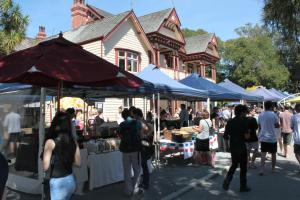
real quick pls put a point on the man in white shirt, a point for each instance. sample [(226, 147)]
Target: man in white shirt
[(12, 122), (296, 129), (226, 114), (119, 115), (268, 122)]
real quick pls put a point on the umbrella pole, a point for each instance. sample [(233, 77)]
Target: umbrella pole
[(59, 88), (41, 134)]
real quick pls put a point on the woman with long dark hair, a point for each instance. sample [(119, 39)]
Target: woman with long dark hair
[(60, 153)]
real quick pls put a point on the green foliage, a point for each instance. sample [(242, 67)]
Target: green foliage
[(252, 59), (12, 26), (190, 32), (283, 18)]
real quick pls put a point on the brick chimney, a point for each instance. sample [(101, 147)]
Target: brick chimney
[(79, 13), (42, 33)]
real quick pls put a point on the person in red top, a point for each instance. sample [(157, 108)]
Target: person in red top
[(286, 131)]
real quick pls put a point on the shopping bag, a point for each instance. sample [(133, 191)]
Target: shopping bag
[(213, 142)]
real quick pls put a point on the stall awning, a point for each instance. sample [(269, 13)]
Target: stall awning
[(278, 92), (268, 96), (169, 87), (238, 89), (215, 91)]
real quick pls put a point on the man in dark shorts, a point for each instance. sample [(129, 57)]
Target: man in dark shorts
[(268, 122), (3, 174), (296, 129), (286, 131), (12, 122), (252, 142), (237, 131)]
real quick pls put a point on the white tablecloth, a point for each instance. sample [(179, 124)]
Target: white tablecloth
[(81, 173), (105, 168)]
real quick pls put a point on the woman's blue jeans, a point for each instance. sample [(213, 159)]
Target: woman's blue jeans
[(62, 188)]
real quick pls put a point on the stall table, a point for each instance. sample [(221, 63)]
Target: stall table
[(81, 173), (105, 168)]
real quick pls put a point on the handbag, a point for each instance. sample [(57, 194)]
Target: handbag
[(211, 129), (213, 138), (46, 181)]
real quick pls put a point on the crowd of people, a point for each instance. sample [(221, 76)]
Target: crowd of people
[(266, 130), (243, 131)]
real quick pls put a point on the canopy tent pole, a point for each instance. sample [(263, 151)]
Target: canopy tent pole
[(41, 135), (144, 107), (154, 127), (84, 116), (208, 104), (158, 128)]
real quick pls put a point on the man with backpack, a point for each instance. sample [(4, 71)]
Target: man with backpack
[(130, 147)]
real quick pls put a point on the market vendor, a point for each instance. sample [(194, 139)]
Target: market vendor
[(184, 116), (162, 122)]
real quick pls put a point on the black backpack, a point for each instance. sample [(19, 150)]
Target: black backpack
[(130, 136)]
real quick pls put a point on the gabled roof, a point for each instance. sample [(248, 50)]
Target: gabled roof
[(198, 43), (153, 21), (26, 43), (95, 29), (100, 11)]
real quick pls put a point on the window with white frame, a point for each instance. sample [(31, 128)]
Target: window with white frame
[(132, 62), (128, 60), (127, 102)]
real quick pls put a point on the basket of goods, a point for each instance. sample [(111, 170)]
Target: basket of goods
[(92, 147), (189, 129), (114, 143), (109, 129), (181, 136), (168, 135)]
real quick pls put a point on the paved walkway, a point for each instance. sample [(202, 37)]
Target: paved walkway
[(284, 184), (178, 173)]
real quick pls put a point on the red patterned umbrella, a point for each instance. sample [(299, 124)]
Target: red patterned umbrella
[(58, 60)]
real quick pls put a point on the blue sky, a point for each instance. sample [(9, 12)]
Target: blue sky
[(218, 16)]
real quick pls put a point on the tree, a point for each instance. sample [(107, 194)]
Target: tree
[(12, 26), (283, 17), (252, 59), (190, 32)]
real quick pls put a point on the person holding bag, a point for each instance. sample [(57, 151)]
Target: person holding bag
[(147, 148), (60, 153), (202, 153)]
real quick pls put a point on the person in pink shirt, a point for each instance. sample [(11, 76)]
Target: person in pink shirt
[(286, 131)]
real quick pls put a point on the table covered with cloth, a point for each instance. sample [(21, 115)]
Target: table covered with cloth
[(107, 168)]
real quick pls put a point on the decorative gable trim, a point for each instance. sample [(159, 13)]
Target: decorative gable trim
[(94, 12), (173, 17), (140, 30)]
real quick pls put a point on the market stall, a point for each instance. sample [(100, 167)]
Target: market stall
[(56, 64), (238, 89)]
